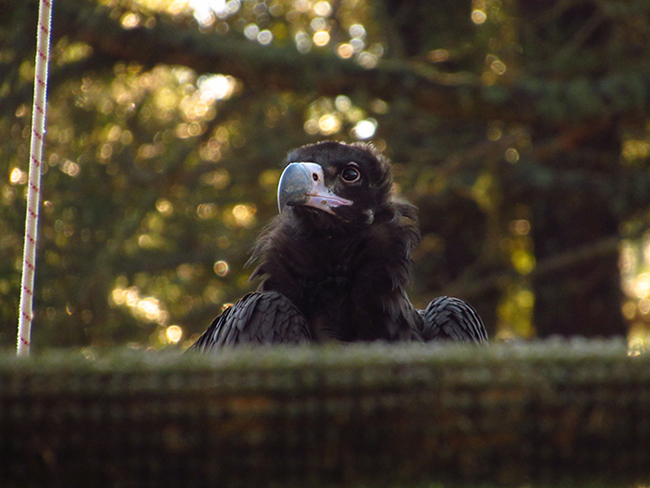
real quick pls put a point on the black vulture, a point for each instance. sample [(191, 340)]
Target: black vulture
[(334, 264)]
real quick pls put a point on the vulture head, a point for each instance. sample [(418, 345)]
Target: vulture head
[(335, 262), (334, 187)]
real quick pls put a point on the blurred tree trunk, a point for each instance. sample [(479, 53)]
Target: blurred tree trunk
[(457, 249), (583, 298)]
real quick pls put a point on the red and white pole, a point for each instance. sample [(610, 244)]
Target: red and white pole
[(39, 110)]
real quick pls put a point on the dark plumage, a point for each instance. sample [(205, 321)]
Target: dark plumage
[(335, 262)]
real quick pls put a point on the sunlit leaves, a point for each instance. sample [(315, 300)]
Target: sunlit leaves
[(160, 179), (206, 12), (145, 308), (162, 176), (515, 313), (64, 52), (218, 179), (635, 151), (207, 211), (634, 262), (329, 116), (308, 24), (118, 137)]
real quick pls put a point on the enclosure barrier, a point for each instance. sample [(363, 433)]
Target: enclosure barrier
[(542, 414)]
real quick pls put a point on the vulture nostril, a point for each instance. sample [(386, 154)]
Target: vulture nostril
[(315, 176)]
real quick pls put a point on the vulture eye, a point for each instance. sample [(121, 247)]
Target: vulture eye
[(351, 173)]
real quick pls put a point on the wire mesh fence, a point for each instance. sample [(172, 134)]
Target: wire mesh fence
[(547, 413)]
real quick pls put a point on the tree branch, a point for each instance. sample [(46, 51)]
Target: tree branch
[(561, 261)]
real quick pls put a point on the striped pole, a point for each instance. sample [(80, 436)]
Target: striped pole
[(39, 109)]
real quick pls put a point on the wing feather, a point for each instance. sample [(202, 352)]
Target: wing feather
[(452, 319), (258, 318)]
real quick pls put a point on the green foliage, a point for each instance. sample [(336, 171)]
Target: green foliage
[(168, 124)]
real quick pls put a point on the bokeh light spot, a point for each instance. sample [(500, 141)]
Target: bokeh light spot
[(265, 37), (130, 20), (512, 155), (164, 206), (323, 9), (329, 124), (345, 51), (321, 38), (221, 268), (478, 17), (365, 129), (17, 177)]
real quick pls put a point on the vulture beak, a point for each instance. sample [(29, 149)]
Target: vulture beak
[(303, 184)]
